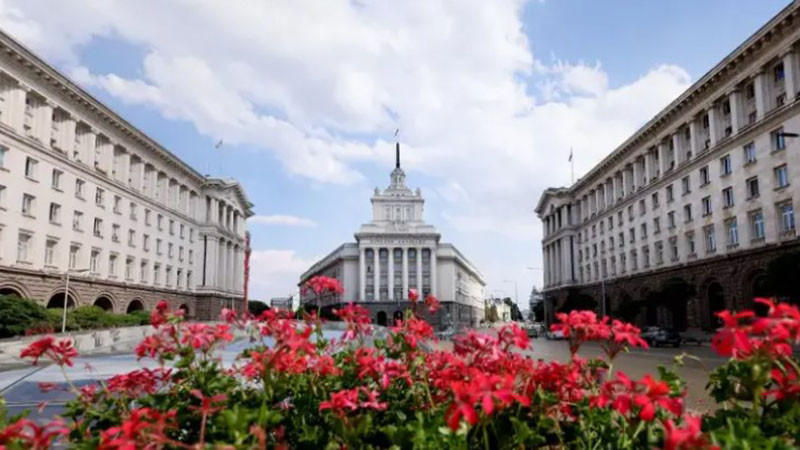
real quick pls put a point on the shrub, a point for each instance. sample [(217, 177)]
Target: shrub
[(19, 315), (91, 317), (55, 317)]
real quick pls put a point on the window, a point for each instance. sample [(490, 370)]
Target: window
[(30, 167), (117, 204), (112, 265), (690, 248), (77, 221), (23, 247), (727, 197), (50, 252), (778, 140), (630, 212), (787, 217), (168, 277), (656, 225), (705, 206), (132, 209), (98, 197), (160, 222), (156, 272), (3, 151), (94, 261), (654, 199), (752, 187), (73, 256), (725, 167), (143, 271), (146, 242), (147, 215), (671, 219), (56, 181), (98, 227), (704, 178), (79, 188), (687, 213), (132, 238), (189, 279), (128, 268), (171, 227), (670, 195), (621, 239), (191, 233), (781, 177), (27, 204), (183, 231), (158, 246), (733, 233), (632, 234), (644, 231), (55, 213), (646, 256), (659, 252), (191, 252), (2, 197), (169, 250), (778, 72), (115, 232), (757, 225), (685, 185), (642, 207), (749, 153), (673, 249), (180, 253), (711, 241)]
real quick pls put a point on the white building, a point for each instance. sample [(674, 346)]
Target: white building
[(83, 190), (680, 220), (397, 251)]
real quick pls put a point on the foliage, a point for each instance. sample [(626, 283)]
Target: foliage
[(256, 307), (295, 388), (19, 315)]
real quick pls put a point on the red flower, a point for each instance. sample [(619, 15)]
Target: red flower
[(208, 405), (341, 402), (412, 331), (688, 437), (513, 334), (413, 295), (60, 352), (622, 335), (462, 406), (320, 284), (357, 319), (138, 430), (432, 303), (657, 393), (581, 326), (32, 435)]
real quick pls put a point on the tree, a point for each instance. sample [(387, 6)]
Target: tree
[(257, 307), (537, 313), (516, 314)]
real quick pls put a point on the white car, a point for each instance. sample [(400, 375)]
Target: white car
[(556, 335)]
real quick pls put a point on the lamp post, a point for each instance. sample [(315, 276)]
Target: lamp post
[(66, 297)]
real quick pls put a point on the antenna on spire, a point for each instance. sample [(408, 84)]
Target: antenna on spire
[(397, 150)]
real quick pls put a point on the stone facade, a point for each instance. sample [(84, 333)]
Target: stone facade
[(397, 251), (709, 181), (81, 190)]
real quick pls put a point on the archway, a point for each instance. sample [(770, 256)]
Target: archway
[(135, 305), (185, 308), (105, 303), (57, 301), (756, 285), (381, 319), (10, 292), (715, 298), (398, 315)]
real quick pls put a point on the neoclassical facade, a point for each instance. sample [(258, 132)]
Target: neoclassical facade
[(694, 203), (82, 190), (397, 251)]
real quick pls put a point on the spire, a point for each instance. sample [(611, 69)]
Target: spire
[(397, 156)]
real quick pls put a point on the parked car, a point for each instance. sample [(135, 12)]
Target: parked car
[(555, 335), (658, 336), (535, 330)]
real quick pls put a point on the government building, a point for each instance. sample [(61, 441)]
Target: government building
[(83, 191), (682, 219), (395, 252)]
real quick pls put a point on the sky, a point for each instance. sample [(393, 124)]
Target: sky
[(489, 97)]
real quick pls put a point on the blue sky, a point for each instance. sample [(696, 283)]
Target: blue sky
[(489, 96)]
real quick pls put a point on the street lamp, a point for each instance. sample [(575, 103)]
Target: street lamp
[(66, 297)]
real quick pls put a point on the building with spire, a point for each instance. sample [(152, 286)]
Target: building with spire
[(397, 251)]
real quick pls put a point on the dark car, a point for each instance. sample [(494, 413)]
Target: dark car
[(657, 336)]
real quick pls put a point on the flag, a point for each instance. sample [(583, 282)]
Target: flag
[(218, 144), (570, 155)]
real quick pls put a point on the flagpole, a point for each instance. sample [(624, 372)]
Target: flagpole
[(571, 166)]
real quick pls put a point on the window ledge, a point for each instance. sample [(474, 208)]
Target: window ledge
[(754, 197), (725, 175), (58, 224), (780, 188), (705, 184), (57, 189), (29, 216), (749, 163), (733, 246), (708, 214), (31, 179)]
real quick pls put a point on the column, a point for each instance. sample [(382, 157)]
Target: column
[(390, 274), (434, 289), (624, 174), (634, 177), (676, 144), (760, 88), (790, 72), (376, 267), (44, 120), (646, 168), (663, 151), (419, 270), (735, 101), (546, 265), (231, 266), (16, 107), (405, 273), (713, 126), (210, 260), (362, 274)]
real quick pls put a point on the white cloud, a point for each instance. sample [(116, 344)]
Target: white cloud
[(300, 79), (275, 272), (282, 220)]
